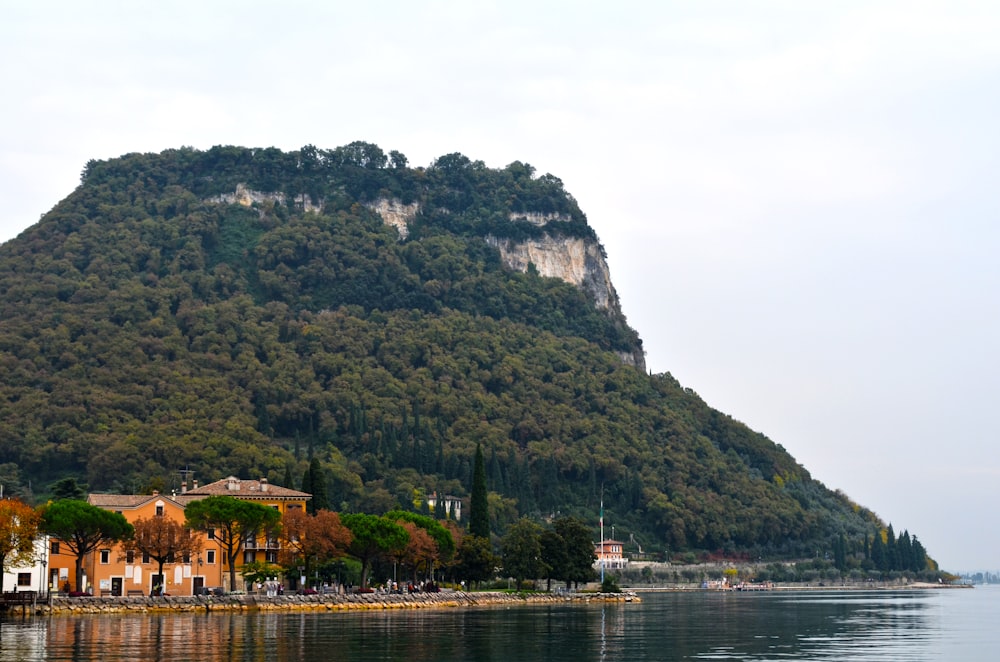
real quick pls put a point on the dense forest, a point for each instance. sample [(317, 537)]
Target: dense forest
[(149, 326)]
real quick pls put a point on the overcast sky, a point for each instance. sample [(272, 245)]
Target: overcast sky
[(799, 200)]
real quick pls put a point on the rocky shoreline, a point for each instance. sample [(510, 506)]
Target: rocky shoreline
[(251, 603)]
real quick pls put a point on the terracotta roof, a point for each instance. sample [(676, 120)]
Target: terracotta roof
[(244, 489), (108, 501)]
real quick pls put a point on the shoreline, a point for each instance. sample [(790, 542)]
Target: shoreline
[(911, 586), (64, 606)]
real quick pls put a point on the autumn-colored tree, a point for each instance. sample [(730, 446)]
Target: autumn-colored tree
[(83, 528), (420, 553), (163, 540), (232, 521), (441, 538), (308, 539), (18, 532)]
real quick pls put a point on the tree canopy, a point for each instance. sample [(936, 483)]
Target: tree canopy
[(83, 528), (231, 521), (18, 531), (371, 537)]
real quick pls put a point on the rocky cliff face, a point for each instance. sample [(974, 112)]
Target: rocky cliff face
[(575, 261), (248, 197), (396, 214)]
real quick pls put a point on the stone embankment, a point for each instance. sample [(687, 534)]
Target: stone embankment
[(368, 601)]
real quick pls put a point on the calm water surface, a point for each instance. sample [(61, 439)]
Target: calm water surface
[(904, 625)]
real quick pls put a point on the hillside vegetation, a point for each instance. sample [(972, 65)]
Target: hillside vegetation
[(149, 327)]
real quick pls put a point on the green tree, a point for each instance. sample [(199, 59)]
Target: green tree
[(522, 551), (231, 521), (840, 552), (553, 550), (476, 560), (67, 488), (314, 482), (880, 558), (479, 508), (372, 536), (579, 550), (83, 528)]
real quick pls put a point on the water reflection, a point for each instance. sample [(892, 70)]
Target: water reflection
[(702, 626)]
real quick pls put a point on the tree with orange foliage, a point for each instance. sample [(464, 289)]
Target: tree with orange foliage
[(421, 553), (308, 539), (18, 532), (163, 540)]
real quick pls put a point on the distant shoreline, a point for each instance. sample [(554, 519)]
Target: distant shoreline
[(879, 586)]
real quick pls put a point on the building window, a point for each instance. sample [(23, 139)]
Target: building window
[(159, 511), (24, 579), (249, 557), (271, 557), (54, 547), (211, 534), (145, 557), (210, 557), (186, 559), (130, 557), (105, 556)]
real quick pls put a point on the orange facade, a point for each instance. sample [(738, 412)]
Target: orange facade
[(112, 571)]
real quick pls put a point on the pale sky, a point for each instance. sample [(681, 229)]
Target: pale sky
[(798, 199)]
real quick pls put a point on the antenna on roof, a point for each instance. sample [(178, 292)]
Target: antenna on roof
[(186, 473)]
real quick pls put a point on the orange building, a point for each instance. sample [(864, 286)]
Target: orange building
[(112, 571), (282, 499), (609, 553)]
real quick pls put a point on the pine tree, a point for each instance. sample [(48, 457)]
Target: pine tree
[(479, 511)]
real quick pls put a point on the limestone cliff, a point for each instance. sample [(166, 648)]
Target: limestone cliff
[(247, 197), (577, 261), (396, 214)]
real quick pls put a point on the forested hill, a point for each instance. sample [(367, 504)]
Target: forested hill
[(241, 311)]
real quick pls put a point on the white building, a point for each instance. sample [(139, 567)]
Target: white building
[(452, 505), (30, 577)]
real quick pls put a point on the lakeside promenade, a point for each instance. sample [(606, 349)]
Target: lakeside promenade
[(331, 602)]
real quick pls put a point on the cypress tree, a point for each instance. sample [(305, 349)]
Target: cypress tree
[(307, 487), (479, 515), (319, 499)]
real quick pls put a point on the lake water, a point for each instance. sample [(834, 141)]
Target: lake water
[(886, 625)]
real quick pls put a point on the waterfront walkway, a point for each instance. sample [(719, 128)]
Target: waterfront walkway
[(333, 602)]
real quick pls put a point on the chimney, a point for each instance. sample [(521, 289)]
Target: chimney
[(263, 484), (194, 484), (184, 486)]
